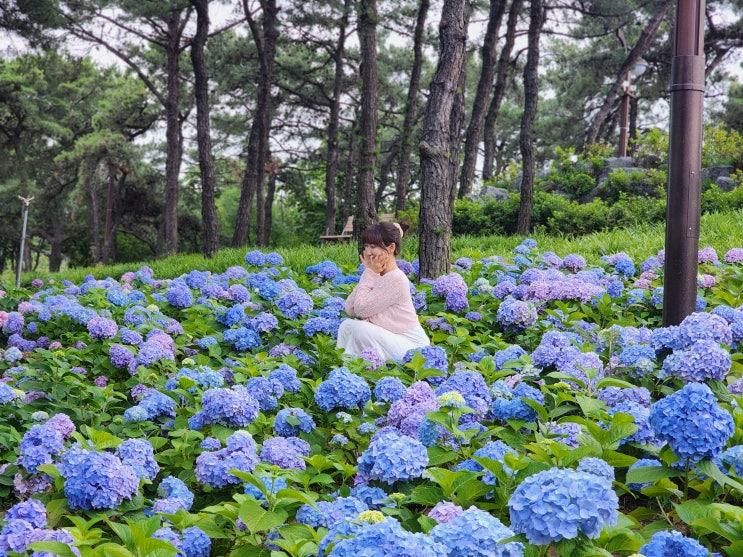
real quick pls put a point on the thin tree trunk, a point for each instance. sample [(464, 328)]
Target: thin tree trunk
[(642, 45), (331, 158), (502, 73), (411, 109), (95, 215), (482, 94), (55, 243), (384, 175), (203, 139), (173, 132), (456, 124), (108, 225), (367, 30), (531, 95), (265, 38), (435, 145), (349, 177)]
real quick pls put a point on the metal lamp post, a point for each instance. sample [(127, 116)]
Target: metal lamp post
[(26, 202), (628, 91), (684, 163)]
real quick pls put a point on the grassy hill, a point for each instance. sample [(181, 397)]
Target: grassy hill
[(721, 230)]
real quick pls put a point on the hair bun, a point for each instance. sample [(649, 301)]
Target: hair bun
[(400, 228)]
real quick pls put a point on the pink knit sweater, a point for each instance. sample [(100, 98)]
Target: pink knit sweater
[(384, 300)]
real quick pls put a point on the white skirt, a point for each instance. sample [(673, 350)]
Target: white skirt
[(355, 336)]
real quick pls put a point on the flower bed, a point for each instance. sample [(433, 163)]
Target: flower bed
[(210, 414)]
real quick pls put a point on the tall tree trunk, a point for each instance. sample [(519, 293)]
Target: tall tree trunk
[(502, 73), (349, 177), (331, 158), (55, 242), (483, 93), (531, 95), (411, 109), (456, 124), (367, 30), (435, 145), (173, 132), (108, 224), (641, 46), (95, 214), (264, 37), (203, 139), (384, 176)]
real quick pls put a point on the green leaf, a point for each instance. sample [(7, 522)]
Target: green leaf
[(710, 468), (57, 548), (649, 474), (691, 511), (102, 439), (258, 519), (115, 550), (427, 495)]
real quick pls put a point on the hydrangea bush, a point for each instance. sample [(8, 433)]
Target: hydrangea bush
[(210, 414)]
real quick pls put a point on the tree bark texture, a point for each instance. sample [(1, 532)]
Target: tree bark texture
[(411, 109), (264, 37), (367, 29), (203, 138), (435, 145), (331, 159), (272, 169), (502, 73), (173, 131), (531, 96), (482, 94), (108, 223), (637, 51)]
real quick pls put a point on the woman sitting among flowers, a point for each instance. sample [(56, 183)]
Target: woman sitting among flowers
[(386, 321)]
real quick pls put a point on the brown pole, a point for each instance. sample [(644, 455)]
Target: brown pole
[(624, 121), (684, 163)]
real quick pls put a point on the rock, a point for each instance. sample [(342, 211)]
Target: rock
[(517, 181), (712, 173), (618, 162), (725, 183), (493, 193)]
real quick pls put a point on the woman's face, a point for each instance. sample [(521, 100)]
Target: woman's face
[(373, 249)]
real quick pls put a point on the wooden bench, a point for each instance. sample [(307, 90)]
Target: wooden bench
[(346, 233)]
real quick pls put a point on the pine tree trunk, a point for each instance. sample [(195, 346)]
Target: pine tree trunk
[(367, 30), (265, 38), (531, 95), (55, 244), (436, 142), (640, 48), (411, 109), (203, 138), (95, 214), (331, 159), (482, 94), (173, 133), (633, 108), (502, 73), (270, 192)]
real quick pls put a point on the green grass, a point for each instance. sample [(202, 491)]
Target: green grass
[(722, 231)]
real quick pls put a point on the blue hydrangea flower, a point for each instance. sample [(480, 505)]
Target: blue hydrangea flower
[(196, 543), (515, 314), (453, 289), (387, 538), (393, 457), (32, 511), (612, 396), (264, 322), (153, 404), (476, 533), (39, 445), (233, 407), (703, 326), (102, 328), (700, 361), (559, 504), (285, 452), (508, 354), (389, 389), (289, 422), (139, 454), (286, 376), (272, 484), (342, 389), (325, 270), (174, 489), (638, 358), (566, 432), (435, 358), (96, 480), (213, 467), (179, 295), (645, 434), (672, 544), (265, 391), (7, 394), (471, 385), (326, 514), (733, 458), (294, 304), (242, 339), (494, 450), (596, 466), (508, 404), (692, 423)]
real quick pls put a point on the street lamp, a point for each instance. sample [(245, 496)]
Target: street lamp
[(628, 91)]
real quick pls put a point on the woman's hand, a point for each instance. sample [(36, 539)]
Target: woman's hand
[(374, 262)]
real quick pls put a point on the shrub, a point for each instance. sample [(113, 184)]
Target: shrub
[(722, 146), (647, 183)]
